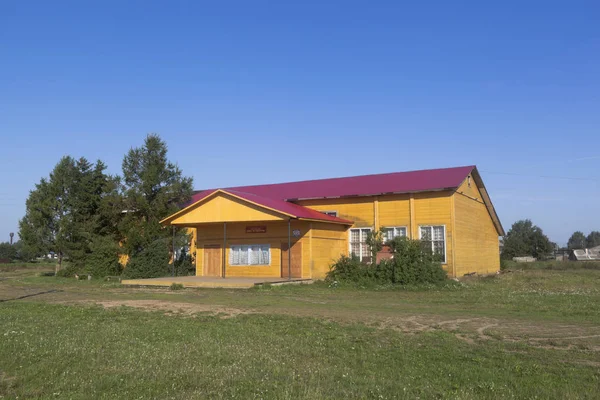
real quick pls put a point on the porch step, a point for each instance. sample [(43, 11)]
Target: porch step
[(210, 282)]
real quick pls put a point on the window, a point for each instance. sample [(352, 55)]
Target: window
[(391, 232), (250, 254), (330, 213), (434, 237), (358, 243)]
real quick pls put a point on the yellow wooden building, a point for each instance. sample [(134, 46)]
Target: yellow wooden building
[(248, 231)]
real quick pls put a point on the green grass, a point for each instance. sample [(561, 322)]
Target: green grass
[(524, 334), (551, 265), (35, 264), (87, 352)]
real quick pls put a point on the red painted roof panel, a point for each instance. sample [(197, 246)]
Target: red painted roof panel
[(282, 206), (365, 185), (289, 208)]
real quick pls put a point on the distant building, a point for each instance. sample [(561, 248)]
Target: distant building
[(592, 254)]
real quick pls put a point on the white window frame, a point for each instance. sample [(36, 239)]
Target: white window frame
[(248, 248), (395, 234), (360, 252), (445, 261), (331, 213)]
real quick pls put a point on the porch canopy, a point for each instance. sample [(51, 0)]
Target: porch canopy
[(221, 206), (228, 207)]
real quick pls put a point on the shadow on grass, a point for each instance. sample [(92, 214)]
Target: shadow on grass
[(30, 295)]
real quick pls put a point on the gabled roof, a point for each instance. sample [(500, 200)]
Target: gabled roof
[(279, 206), (280, 197), (295, 210), (488, 202), (364, 185)]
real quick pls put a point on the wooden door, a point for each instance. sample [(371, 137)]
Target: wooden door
[(212, 260), (296, 260)]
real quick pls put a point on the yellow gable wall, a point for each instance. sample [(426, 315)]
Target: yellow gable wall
[(223, 207), (477, 243)]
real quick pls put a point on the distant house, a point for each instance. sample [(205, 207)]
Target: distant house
[(592, 254), (298, 229)]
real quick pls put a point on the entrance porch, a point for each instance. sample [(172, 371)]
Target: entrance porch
[(236, 235), (212, 282)]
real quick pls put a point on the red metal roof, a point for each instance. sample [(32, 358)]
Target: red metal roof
[(365, 185), (281, 206), (288, 208)]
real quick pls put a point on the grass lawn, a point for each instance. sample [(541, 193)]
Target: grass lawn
[(531, 334)]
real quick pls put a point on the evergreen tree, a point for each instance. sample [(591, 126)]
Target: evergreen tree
[(65, 211), (90, 215), (40, 229), (153, 189)]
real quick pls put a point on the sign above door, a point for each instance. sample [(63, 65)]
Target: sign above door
[(256, 229)]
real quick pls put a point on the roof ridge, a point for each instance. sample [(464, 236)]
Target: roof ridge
[(343, 177)]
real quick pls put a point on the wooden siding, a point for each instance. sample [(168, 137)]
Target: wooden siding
[(225, 208), (394, 210), (277, 233), (193, 238), (434, 208), (411, 211), (476, 239), (357, 209), (328, 243)]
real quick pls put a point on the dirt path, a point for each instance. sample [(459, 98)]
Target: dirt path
[(169, 308)]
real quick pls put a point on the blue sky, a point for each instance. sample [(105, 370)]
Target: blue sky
[(270, 91)]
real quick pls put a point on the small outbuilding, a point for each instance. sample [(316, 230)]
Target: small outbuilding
[(592, 254)]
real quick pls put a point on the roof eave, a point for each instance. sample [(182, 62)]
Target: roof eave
[(374, 194), (488, 202), (340, 222), (166, 221)]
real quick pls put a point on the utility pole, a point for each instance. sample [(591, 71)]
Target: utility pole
[(173, 250)]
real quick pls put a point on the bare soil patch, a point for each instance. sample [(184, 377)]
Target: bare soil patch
[(472, 330), (174, 308)]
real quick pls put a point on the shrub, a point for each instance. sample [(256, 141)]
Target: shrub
[(411, 264), (185, 266), (349, 269), (104, 258), (68, 271), (176, 286), (151, 262)]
